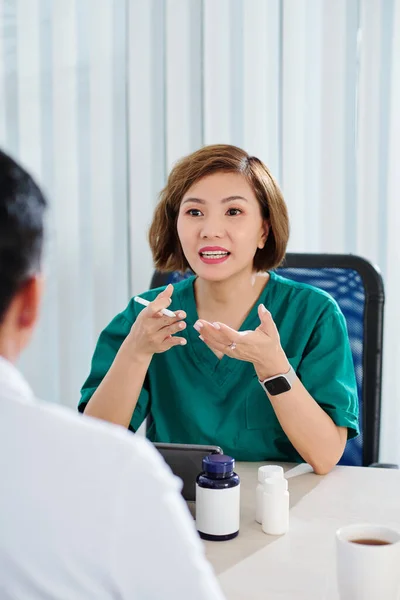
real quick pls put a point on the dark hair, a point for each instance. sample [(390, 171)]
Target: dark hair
[(22, 207), (163, 236)]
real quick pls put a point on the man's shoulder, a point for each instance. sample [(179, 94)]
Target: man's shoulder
[(90, 437)]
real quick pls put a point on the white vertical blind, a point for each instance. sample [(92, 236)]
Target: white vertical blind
[(147, 157), (65, 192), (3, 21), (183, 79), (370, 130), (223, 72), (27, 71), (63, 114), (101, 171), (336, 196), (318, 131), (390, 203), (295, 130), (261, 80)]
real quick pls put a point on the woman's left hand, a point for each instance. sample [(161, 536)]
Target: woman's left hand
[(261, 347)]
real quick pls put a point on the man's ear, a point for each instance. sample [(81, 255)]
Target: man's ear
[(29, 299), (20, 319)]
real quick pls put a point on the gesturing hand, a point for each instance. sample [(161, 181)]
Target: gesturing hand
[(261, 347), (152, 331)]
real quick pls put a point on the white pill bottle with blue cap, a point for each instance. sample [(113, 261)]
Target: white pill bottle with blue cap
[(218, 499)]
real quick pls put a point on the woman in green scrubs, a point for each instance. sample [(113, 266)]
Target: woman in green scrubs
[(253, 362)]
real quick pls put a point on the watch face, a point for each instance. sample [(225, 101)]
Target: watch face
[(277, 386)]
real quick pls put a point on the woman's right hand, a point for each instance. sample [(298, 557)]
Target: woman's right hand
[(152, 331)]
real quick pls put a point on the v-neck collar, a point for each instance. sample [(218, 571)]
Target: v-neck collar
[(208, 362)]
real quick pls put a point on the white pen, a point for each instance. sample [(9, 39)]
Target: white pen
[(165, 311)]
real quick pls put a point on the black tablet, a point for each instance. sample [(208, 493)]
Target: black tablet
[(185, 461)]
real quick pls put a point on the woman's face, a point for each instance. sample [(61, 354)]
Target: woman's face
[(220, 226)]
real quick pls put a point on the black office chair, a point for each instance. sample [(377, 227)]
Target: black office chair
[(160, 279), (357, 286)]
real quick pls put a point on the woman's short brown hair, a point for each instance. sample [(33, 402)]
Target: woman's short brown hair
[(164, 242)]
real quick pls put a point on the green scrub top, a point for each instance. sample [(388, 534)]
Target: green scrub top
[(194, 397)]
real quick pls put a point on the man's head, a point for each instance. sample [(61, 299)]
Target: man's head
[(22, 207)]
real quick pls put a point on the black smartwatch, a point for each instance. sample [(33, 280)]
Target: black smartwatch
[(278, 384)]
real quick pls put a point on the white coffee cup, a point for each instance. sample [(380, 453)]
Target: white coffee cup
[(368, 571)]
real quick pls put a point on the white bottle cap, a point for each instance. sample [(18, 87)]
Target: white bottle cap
[(269, 471), (274, 485)]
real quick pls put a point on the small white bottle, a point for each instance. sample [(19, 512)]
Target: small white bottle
[(263, 473), (275, 513)]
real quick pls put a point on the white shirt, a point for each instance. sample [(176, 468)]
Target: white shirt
[(88, 510)]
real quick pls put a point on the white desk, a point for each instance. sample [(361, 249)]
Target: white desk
[(301, 564)]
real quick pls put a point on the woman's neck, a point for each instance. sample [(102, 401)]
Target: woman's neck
[(231, 300)]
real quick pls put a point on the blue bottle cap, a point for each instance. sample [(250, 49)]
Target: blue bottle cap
[(218, 463)]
